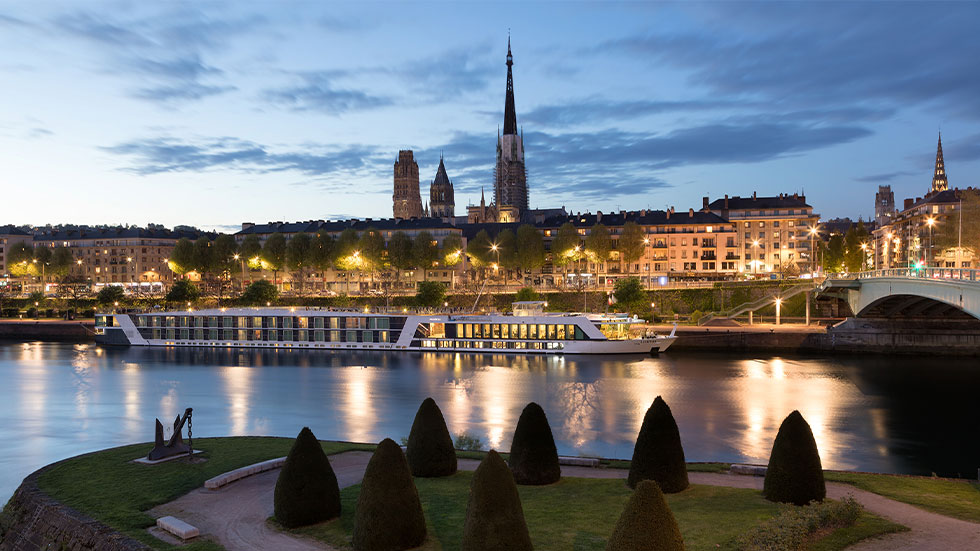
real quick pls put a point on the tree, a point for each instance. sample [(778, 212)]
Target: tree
[(452, 250), (630, 244), (260, 292), (629, 292), (71, 288), (61, 261), (854, 255), (372, 246), (494, 516), (478, 249), (833, 257), (322, 254), (566, 247), (251, 249), (389, 514), (182, 259), (525, 294), (530, 248), (183, 291), (430, 451), (794, 474), (19, 260), (110, 294), (598, 244), (400, 251), (647, 523), (306, 490), (299, 256), (224, 249), (347, 257), (533, 455), (424, 252), (274, 255), (430, 294), (658, 454), (204, 259), (506, 249)]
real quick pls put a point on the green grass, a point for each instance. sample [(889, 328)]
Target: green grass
[(107, 487), (867, 526), (580, 513), (953, 498)]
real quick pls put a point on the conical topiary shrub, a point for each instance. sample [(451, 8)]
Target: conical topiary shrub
[(646, 523), (658, 454), (430, 448), (794, 474), (494, 516), (389, 514), (306, 491), (533, 455)]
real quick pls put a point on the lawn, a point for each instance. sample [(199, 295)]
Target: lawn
[(954, 498), (580, 513)]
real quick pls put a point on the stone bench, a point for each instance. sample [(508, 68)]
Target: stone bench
[(178, 528), (238, 474), (750, 470), (578, 461)]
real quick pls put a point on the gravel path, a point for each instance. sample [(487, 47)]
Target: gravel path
[(236, 515)]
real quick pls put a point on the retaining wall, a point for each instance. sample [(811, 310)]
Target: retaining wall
[(69, 331)]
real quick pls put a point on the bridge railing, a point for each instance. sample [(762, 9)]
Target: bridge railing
[(946, 274)]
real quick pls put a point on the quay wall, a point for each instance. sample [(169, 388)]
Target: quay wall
[(34, 521), (62, 331)]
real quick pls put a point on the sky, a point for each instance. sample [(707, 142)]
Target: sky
[(212, 114)]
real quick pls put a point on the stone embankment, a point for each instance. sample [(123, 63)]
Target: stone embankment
[(33, 521), (61, 331)]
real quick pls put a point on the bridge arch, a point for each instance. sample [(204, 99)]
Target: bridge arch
[(914, 298), (903, 306)]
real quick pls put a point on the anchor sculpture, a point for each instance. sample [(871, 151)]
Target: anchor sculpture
[(176, 445)]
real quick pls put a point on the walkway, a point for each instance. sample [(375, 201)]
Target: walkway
[(236, 515)]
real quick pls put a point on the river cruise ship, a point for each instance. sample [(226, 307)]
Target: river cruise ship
[(529, 330)]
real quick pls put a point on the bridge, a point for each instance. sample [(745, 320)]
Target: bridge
[(908, 293)]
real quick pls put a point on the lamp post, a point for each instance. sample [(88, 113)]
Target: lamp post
[(813, 250), (239, 257), (930, 222), (779, 303)]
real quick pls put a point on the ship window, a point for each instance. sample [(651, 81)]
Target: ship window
[(468, 330), (156, 334), (504, 331), (304, 335), (287, 323), (496, 330), (257, 322), (303, 322), (255, 335), (542, 331), (287, 335), (384, 323), (334, 336), (318, 335), (579, 334), (228, 322), (272, 335), (367, 336), (334, 323), (520, 345), (382, 336), (523, 331), (561, 332), (242, 335), (351, 336), (185, 334), (486, 330), (532, 331), (171, 322), (318, 323), (551, 331), (140, 321), (228, 334), (271, 321), (170, 333), (515, 331), (353, 323), (212, 321), (437, 330), (213, 334)]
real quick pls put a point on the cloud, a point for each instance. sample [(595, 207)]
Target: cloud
[(317, 94), (38, 132), (965, 149), (185, 91), (885, 177), (596, 109)]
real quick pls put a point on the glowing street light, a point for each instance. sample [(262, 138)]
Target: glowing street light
[(779, 303)]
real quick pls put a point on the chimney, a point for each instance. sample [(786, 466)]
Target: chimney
[(598, 216), (247, 225), (704, 202), (753, 196), (643, 213), (908, 203), (690, 213), (668, 214), (726, 201)]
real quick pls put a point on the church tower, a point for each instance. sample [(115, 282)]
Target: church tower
[(510, 174), (407, 201), (441, 201), (939, 182)]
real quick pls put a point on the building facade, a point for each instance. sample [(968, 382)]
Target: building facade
[(407, 200), (884, 206), (510, 192), (442, 202), (9, 237)]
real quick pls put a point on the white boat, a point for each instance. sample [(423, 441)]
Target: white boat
[(529, 330)]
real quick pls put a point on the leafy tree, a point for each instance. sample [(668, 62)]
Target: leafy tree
[(372, 246), (306, 490), (950, 232), (260, 292), (854, 255), (430, 294), (833, 257), (251, 249), (322, 254), (430, 449), (400, 251), (299, 256), (630, 244), (598, 244), (533, 455), (530, 248), (41, 262), (274, 255), (183, 291), (494, 516), (478, 249), (629, 292), (204, 259), (647, 523), (794, 474), (61, 261), (19, 259), (71, 288), (345, 248), (224, 249), (658, 454), (507, 249), (566, 247), (388, 515), (452, 250), (182, 259), (526, 294), (110, 294), (425, 252)]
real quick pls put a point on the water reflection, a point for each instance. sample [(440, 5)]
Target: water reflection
[(893, 415)]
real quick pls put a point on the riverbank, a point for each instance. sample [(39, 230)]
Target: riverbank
[(81, 330)]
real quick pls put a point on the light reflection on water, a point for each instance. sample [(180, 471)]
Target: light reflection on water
[(867, 413)]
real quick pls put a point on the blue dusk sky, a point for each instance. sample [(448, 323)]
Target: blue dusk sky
[(211, 114)]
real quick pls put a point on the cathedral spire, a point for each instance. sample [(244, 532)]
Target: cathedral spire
[(510, 113), (939, 182)]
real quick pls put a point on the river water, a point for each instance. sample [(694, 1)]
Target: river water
[(871, 413)]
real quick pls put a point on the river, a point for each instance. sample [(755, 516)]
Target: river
[(907, 415)]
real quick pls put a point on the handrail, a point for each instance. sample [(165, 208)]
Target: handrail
[(970, 275)]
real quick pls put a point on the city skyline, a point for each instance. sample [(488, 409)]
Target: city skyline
[(216, 114)]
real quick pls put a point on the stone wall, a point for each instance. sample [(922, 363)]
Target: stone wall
[(33, 521), (69, 331)]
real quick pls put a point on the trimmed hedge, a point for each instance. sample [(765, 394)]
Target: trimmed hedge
[(306, 490), (795, 474), (494, 516), (533, 455), (658, 454), (389, 514), (430, 450), (647, 524)]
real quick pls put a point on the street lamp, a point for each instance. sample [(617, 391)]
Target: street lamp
[(239, 257), (813, 251), (930, 222), (779, 303), (864, 256)]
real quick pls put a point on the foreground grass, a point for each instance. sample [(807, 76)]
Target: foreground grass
[(953, 498), (580, 513), (107, 487)]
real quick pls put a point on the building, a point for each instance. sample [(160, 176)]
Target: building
[(442, 203), (774, 233), (407, 200), (510, 194), (10, 236), (939, 181), (884, 206)]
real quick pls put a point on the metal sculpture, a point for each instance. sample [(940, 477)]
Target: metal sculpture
[(176, 446)]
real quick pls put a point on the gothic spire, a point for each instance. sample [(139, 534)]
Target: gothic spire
[(510, 113), (939, 182)]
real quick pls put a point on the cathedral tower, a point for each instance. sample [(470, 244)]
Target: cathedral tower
[(510, 174), (441, 201), (939, 182), (407, 201)]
